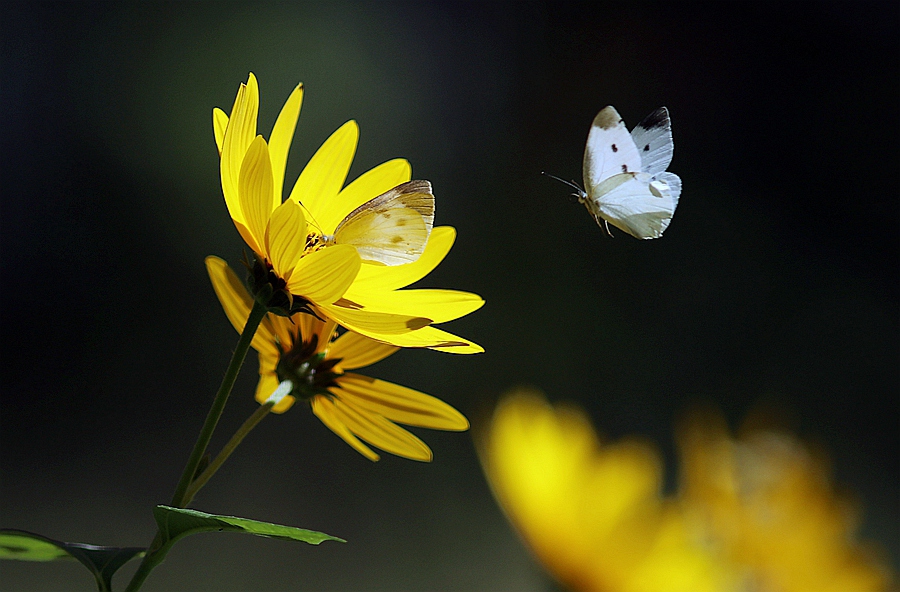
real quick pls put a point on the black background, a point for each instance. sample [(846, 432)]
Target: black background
[(776, 284)]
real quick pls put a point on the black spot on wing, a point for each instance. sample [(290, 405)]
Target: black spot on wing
[(614, 148), (647, 148), (624, 168), (658, 118)]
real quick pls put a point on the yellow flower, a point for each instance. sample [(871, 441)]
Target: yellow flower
[(756, 514), (592, 513), (302, 357), (768, 504), (290, 237)]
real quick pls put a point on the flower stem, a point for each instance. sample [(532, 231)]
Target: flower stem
[(158, 548), (236, 439)]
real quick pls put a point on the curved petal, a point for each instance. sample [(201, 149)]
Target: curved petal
[(326, 171), (400, 404), (324, 409), (248, 238), (286, 238), (237, 302), (381, 278), (255, 189), (367, 186), (380, 432), (220, 123), (426, 337), (438, 305), (267, 384), (282, 134), (373, 321), (239, 134), (324, 275), (357, 351)]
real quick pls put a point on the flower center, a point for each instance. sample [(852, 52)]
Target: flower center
[(309, 372)]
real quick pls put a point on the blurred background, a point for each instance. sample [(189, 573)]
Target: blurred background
[(775, 286)]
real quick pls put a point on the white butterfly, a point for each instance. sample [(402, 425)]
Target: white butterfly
[(390, 229), (625, 178)]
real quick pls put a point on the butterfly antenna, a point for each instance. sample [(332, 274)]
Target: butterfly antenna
[(572, 184), (314, 222)]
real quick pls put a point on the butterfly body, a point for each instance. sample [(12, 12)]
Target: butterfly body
[(625, 178)]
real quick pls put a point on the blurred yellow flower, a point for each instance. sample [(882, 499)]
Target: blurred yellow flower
[(754, 515), (767, 504), (290, 237), (592, 513), (302, 357)]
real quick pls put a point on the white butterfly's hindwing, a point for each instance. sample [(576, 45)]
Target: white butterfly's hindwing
[(610, 150), (392, 228), (624, 174), (653, 138), (636, 206)]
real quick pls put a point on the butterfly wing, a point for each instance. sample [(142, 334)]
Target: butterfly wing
[(392, 228), (610, 150), (653, 139), (636, 205)]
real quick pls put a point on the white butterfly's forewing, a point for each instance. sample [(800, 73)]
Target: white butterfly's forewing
[(610, 150), (653, 139), (634, 205), (392, 228)]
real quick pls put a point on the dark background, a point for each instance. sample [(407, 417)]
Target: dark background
[(775, 285)]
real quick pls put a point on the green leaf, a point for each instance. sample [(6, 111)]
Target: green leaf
[(175, 523), (101, 561)]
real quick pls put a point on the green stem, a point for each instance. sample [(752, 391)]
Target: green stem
[(236, 439), (158, 548)]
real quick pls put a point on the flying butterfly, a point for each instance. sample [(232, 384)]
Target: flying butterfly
[(390, 229), (625, 178)]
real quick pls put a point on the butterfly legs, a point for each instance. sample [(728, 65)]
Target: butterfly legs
[(604, 225)]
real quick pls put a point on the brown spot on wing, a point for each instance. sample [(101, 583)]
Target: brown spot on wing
[(614, 148), (397, 239), (608, 118)]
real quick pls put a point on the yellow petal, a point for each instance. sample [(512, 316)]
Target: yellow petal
[(245, 233), (239, 134), (282, 134), (370, 184), (267, 384), (255, 187), (438, 305), (324, 275), (237, 302), (400, 404), (220, 123), (426, 337), (357, 351), (286, 238), (324, 175), (380, 432), (325, 411), (365, 322), (373, 278)]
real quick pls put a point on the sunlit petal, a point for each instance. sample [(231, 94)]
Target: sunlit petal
[(220, 123), (237, 304), (380, 432), (286, 238), (400, 404), (438, 305), (356, 351), (325, 411), (239, 134), (280, 140), (324, 276), (255, 187), (324, 175)]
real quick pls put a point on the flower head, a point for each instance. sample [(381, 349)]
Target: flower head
[(302, 357), (298, 242)]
